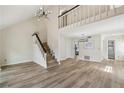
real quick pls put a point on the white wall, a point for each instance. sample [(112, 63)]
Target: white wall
[(99, 50), (52, 29), (42, 29), (119, 46), (38, 56), (18, 43), (65, 48), (95, 52)]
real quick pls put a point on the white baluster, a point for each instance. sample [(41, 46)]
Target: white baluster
[(74, 17), (68, 17), (81, 12), (79, 15), (62, 21), (88, 14), (76, 11), (71, 18), (85, 17), (114, 9), (94, 13), (100, 12), (59, 22), (66, 20), (107, 10)]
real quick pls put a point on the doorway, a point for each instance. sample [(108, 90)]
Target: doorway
[(111, 49)]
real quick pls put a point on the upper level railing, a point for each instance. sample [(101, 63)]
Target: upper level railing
[(85, 14)]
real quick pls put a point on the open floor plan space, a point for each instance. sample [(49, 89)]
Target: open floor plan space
[(71, 73), (62, 46)]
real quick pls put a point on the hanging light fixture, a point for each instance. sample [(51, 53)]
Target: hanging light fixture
[(84, 38), (42, 12)]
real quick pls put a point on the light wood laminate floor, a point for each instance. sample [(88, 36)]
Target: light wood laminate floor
[(69, 74)]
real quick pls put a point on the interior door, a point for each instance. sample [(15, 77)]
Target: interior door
[(111, 49), (76, 50)]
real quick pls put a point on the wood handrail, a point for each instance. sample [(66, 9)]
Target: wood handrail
[(35, 34), (68, 10)]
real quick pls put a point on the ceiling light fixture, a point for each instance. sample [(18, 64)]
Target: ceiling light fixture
[(84, 38), (42, 12)]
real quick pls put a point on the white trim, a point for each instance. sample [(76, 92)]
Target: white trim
[(93, 60), (18, 62)]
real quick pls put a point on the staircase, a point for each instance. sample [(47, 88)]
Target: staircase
[(51, 61)]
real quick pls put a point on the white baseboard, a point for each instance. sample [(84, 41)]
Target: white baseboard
[(43, 65), (18, 62), (93, 60)]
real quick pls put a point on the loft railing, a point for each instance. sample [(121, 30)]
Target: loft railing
[(85, 14)]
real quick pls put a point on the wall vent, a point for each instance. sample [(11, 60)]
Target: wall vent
[(87, 57)]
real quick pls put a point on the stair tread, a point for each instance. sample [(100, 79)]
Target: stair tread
[(50, 60)]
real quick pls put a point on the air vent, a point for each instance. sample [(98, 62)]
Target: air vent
[(87, 57)]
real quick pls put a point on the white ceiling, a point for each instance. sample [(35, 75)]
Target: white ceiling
[(65, 7), (12, 14)]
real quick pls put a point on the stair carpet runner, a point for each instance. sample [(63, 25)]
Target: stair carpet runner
[(51, 61)]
